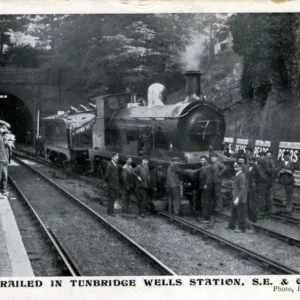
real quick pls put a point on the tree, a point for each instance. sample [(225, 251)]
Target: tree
[(22, 56), (9, 24), (267, 43)]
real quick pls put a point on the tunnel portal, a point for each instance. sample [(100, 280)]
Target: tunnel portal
[(14, 111)]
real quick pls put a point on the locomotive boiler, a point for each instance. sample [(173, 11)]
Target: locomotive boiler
[(135, 127)]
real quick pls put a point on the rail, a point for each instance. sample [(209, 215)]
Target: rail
[(273, 266), (287, 239), (66, 259)]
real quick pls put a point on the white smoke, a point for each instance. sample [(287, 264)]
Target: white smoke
[(197, 47)]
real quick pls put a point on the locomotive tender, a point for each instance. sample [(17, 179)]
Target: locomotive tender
[(134, 126), (68, 136)]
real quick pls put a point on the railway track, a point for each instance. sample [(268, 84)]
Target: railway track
[(287, 239), (278, 202), (282, 217), (261, 260), (63, 260), (38, 159), (80, 232)]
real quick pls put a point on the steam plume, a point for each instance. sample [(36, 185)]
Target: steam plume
[(191, 58)]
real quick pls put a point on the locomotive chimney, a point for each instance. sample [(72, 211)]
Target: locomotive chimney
[(193, 85)]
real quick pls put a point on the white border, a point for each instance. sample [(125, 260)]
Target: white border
[(144, 6)]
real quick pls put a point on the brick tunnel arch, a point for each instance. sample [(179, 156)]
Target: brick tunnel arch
[(14, 111)]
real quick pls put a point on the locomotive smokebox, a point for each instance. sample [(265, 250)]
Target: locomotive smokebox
[(192, 85)]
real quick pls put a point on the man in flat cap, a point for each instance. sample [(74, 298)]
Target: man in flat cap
[(173, 185), (286, 170), (3, 159)]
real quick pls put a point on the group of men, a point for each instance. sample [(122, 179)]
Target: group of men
[(6, 144), (254, 184), (136, 181), (141, 183)]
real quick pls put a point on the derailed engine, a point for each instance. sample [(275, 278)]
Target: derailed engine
[(186, 129)]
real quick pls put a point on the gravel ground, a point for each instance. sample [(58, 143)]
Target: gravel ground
[(43, 260), (183, 252), (96, 250), (288, 229), (270, 247)]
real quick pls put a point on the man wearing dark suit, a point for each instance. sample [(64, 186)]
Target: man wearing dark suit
[(239, 194), (286, 178), (173, 186), (265, 172), (205, 188), (112, 180), (252, 189), (143, 184), (129, 182), (158, 181)]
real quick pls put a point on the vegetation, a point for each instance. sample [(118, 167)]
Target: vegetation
[(111, 53), (267, 42)]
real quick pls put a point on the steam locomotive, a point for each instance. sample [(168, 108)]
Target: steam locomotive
[(134, 126)]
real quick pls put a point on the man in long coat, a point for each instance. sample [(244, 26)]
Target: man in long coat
[(143, 186), (129, 183), (112, 180)]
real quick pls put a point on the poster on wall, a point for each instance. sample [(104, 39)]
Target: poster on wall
[(241, 144), (229, 142), (261, 146)]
